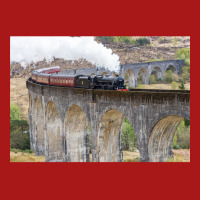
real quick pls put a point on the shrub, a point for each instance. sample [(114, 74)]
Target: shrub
[(132, 160), (184, 54), (116, 39), (126, 40), (28, 151), (105, 38), (174, 85), (170, 40), (187, 122), (161, 40), (142, 41), (182, 86), (128, 136), (175, 41), (14, 111), (152, 79), (177, 158), (175, 141), (185, 73), (183, 135), (168, 76), (18, 139), (155, 59), (176, 146), (14, 150)]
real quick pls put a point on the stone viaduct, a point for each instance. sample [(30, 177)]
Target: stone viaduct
[(59, 118), (145, 70)]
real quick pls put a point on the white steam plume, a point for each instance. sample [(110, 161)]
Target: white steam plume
[(27, 49)]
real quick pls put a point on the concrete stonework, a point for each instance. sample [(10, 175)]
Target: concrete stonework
[(65, 113)]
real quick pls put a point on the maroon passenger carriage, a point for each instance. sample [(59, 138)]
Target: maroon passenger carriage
[(49, 76), (63, 80), (42, 75)]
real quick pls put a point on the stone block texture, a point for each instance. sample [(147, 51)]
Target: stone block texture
[(59, 120)]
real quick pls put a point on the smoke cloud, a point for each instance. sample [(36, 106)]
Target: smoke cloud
[(34, 49)]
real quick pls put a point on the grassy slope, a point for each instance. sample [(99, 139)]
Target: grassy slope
[(19, 95), (182, 155), (161, 86), (25, 157)]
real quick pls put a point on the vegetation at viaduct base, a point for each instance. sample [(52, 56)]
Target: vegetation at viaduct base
[(181, 138), (19, 131)]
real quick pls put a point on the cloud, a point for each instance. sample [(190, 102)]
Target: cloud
[(27, 49)]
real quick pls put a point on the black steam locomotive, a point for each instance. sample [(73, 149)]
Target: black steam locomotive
[(100, 82)]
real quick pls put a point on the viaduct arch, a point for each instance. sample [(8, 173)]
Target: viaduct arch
[(145, 70), (64, 113)]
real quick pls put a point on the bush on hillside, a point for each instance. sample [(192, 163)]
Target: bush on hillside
[(184, 54), (152, 79), (142, 41), (182, 86), (174, 85), (19, 134), (168, 76), (185, 73), (161, 40)]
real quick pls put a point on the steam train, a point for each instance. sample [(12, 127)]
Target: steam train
[(53, 76)]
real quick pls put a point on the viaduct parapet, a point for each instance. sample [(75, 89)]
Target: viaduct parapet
[(60, 117)]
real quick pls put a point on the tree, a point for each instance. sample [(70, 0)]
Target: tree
[(184, 54), (19, 134), (152, 79), (14, 112), (185, 73), (174, 85), (168, 76), (183, 135), (128, 136), (175, 141), (141, 41)]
